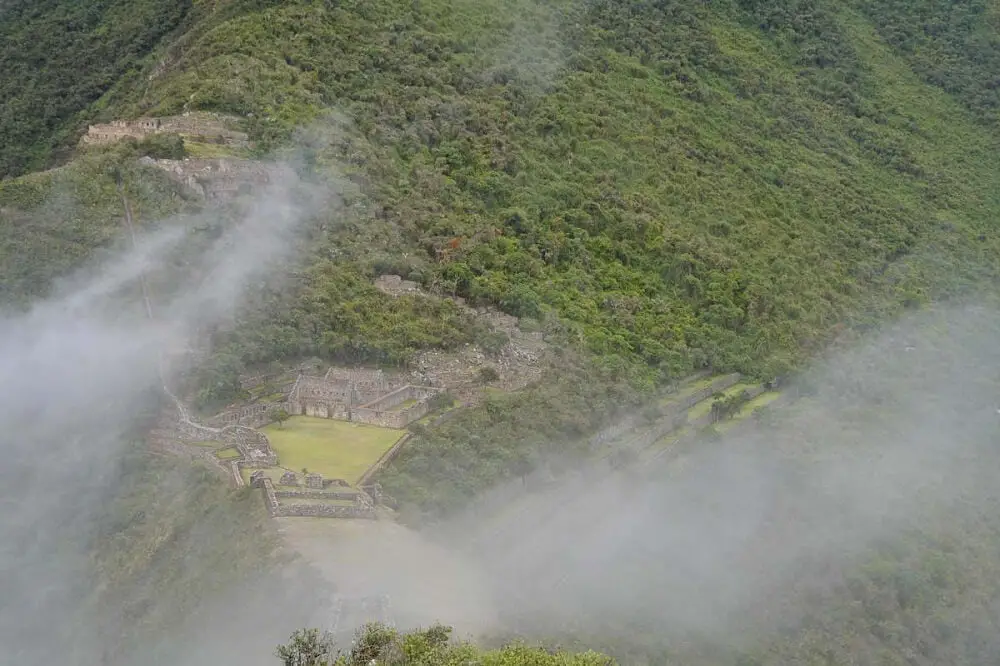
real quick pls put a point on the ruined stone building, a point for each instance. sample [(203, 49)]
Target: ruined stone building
[(336, 393), (363, 396), (200, 126)]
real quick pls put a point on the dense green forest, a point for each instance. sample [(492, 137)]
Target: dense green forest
[(58, 59)]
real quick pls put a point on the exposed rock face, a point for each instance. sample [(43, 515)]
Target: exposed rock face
[(219, 178)]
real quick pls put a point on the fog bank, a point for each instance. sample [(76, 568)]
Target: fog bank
[(80, 378), (723, 541)]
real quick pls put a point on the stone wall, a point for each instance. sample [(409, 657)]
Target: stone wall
[(324, 511), (673, 418), (386, 411), (720, 384), (273, 507), (383, 460), (322, 410), (324, 389), (204, 127), (253, 445), (316, 494), (360, 396), (395, 285), (368, 384), (252, 415), (234, 470), (363, 507)]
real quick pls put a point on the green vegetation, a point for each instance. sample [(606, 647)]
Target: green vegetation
[(57, 59), (335, 449), (666, 187), (378, 644), (953, 45), (229, 453), (447, 466), (150, 534), (762, 400), (686, 391), (51, 222)]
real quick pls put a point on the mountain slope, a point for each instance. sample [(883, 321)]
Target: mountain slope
[(58, 58), (678, 186), (665, 186)]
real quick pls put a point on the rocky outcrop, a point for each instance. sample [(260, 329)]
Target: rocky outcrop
[(219, 178)]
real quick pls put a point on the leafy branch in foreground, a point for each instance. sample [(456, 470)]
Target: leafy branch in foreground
[(378, 644)]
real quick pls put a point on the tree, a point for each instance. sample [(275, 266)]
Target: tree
[(307, 647), (279, 415)]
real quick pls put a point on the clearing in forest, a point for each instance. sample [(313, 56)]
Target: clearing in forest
[(335, 449)]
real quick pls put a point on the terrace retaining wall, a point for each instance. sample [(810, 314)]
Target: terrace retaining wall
[(315, 494), (385, 459), (323, 511)]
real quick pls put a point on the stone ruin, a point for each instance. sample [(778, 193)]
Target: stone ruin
[(204, 127), (359, 395), (257, 479), (395, 285), (362, 396)]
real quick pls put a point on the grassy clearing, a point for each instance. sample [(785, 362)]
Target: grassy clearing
[(688, 390), (705, 406), (664, 442), (200, 150), (273, 473), (335, 449), (229, 453), (762, 400)]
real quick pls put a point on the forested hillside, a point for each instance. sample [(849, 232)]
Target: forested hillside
[(670, 185), (661, 187)]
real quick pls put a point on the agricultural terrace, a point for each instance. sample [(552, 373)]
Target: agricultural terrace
[(335, 449)]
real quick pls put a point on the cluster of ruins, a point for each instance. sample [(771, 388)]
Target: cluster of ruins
[(361, 396), (199, 126), (320, 502), (358, 395)]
